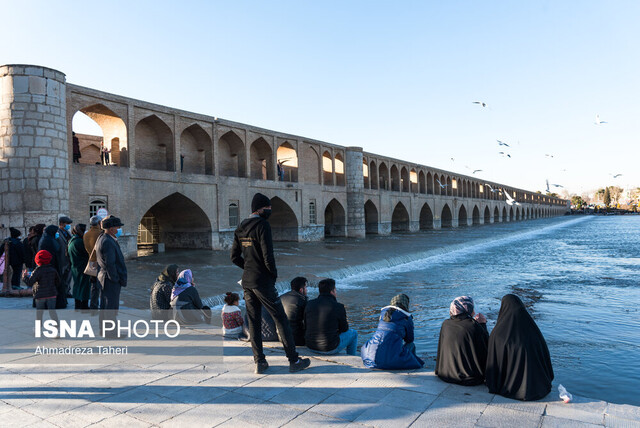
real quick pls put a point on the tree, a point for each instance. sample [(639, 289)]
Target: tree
[(615, 193), (607, 197), (577, 201), (599, 194)]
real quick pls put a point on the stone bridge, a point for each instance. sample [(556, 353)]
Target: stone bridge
[(186, 180)]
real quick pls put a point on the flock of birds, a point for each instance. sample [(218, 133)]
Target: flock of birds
[(504, 153)]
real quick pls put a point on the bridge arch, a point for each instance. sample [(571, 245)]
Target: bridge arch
[(462, 216), (487, 215), (338, 163), (114, 135), (261, 160), (476, 215), (422, 184), (231, 155), (287, 158), (426, 217), (400, 218), (196, 147), (373, 175), (283, 221), (154, 144), (327, 169), (383, 172), (395, 178), (371, 217), (311, 166), (504, 214), (446, 219), (405, 180), (429, 183), (496, 215), (511, 214), (335, 219), (186, 227)]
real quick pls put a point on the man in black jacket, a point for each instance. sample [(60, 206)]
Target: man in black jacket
[(15, 255), (112, 272), (327, 328), (253, 252), (294, 303)]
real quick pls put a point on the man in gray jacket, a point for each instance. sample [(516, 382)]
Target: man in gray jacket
[(112, 272)]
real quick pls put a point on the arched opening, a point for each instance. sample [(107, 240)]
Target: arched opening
[(449, 189), (371, 219), (413, 181), (261, 160), (446, 219), (496, 215), (154, 145), (487, 215), (422, 184), (395, 178), (511, 214), (288, 161), (99, 121), (518, 214), (365, 173), (405, 183), (283, 221), (384, 176), (400, 219), (426, 218), (462, 216), (476, 216), (327, 169), (231, 154), (196, 155), (504, 214), (311, 166), (373, 175), (339, 165), (334, 219), (429, 183), (187, 227)]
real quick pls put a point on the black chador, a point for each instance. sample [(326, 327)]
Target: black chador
[(518, 361)]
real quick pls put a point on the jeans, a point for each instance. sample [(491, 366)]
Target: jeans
[(254, 299), (50, 304), (348, 340)]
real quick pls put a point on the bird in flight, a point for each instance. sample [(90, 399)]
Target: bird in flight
[(510, 200), (598, 121), (500, 143), (615, 176), (548, 155), (505, 154), (480, 103), (476, 170), (557, 185), (492, 189), (442, 186), (548, 190)]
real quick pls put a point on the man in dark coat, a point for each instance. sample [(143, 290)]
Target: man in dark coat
[(252, 251), (89, 239), (76, 149), (112, 272), (64, 236), (15, 255), (327, 328), (294, 303)]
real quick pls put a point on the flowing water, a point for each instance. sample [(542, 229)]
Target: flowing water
[(577, 276)]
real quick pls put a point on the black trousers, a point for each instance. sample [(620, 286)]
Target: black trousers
[(16, 271), (50, 304), (109, 302), (96, 291), (255, 298)]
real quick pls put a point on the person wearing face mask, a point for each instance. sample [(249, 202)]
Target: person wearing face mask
[(112, 272), (63, 237), (252, 251)]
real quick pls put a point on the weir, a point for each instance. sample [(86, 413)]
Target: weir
[(179, 179)]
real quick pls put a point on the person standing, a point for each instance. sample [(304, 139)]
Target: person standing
[(79, 258), (89, 239), (76, 149), (46, 285), (252, 251), (294, 303), (112, 272), (63, 237), (15, 255)]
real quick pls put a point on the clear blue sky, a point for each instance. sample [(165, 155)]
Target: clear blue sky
[(397, 78)]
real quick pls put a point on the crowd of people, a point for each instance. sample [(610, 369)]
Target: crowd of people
[(513, 360)]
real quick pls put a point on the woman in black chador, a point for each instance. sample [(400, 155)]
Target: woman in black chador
[(518, 361), (462, 347)]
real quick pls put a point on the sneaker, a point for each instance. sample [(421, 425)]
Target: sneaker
[(261, 367), (301, 364)]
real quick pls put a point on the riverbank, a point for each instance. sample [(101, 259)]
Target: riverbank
[(334, 391)]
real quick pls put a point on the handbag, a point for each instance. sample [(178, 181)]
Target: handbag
[(92, 267)]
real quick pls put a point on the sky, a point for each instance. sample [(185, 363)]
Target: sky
[(395, 78)]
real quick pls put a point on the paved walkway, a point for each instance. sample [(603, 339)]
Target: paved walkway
[(334, 391)]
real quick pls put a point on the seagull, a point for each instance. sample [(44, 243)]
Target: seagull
[(557, 185), (548, 155), (492, 189), (479, 103), (476, 170), (615, 176), (500, 143), (510, 200), (453, 160), (598, 121), (442, 186), (548, 190), (505, 154)]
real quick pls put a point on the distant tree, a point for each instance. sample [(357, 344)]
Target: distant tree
[(586, 198), (615, 193), (599, 194), (577, 201), (607, 197)]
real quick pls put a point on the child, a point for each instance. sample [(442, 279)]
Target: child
[(232, 323), (46, 285)]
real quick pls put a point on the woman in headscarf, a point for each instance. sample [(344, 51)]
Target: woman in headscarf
[(49, 242), (186, 303), (391, 347), (462, 347), (78, 257), (160, 300), (518, 361)]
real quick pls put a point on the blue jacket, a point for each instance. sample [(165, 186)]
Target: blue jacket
[(386, 349)]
